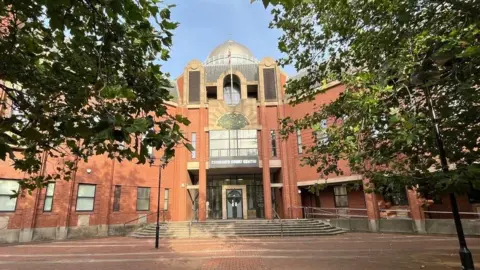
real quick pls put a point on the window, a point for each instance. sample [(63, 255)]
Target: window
[(166, 198), (211, 92), (273, 143), (341, 196), (474, 196), (143, 199), (397, 197), (321, 135), (149, 147), (8, 188), (47, 205), (231, 95), (299, 142), (85, 197), (116, 198), (194, 145), (233, 143)]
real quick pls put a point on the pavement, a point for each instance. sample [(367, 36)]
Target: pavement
[(346, 251)]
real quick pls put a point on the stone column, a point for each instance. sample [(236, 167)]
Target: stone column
[(267, 191), (416, 210), (202, 179), (372, 207)]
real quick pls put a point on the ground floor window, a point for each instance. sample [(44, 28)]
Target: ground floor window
[(47, 204), (143, 199), (341, 196), (7, 188), (397, 197), (85, 197), (254, 188)]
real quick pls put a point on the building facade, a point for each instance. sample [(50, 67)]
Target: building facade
[(240, 168)]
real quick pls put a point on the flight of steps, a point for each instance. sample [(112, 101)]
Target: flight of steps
[(238, 228)]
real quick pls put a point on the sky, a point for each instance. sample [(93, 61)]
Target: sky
[(205, 24)]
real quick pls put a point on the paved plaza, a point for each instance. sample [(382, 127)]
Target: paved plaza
[(347, 251)]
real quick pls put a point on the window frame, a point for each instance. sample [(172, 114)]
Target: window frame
[(49, 196), (115, 202), (194, 145), (273, 143), (166, 199), (230, 95), (149, 198), (335, 195), (299, 141), (234, 149), (5, 195), (397, 198), (94, 197)]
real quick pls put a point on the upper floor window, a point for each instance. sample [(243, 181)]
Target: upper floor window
[(273, 141), (299, 142), (233, 143), (231, 90), (8, 188), (194, 145)]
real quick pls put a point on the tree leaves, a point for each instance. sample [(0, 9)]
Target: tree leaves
[(387, 54), (83, 79)]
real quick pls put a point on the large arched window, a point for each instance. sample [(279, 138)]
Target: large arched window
[(231, 91)]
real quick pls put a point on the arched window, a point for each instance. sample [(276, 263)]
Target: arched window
[(231, 91)]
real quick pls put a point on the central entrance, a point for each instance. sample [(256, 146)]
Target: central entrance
[(234, 204), (251, 188)]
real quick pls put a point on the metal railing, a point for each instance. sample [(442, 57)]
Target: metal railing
[(384, 213), (275, 214), (344, 212), (162, 212), (428, 214), (394, 213)]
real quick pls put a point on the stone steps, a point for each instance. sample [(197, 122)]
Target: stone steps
[(238, 228)]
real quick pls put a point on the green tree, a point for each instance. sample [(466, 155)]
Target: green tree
[(83, 80), (389, 55)]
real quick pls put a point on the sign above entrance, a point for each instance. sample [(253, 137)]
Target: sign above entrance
[(233, 162)]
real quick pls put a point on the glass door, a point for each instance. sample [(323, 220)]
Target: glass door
[(234, 204)]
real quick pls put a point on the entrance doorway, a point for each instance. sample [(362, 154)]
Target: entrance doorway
[(234, 204)]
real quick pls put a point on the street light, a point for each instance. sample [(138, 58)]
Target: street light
[(160, 166), (465, 254)]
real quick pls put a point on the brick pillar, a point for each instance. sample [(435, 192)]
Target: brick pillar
[(202, 179), (267, 191), (287, 200), (372, 207), (415, 203)]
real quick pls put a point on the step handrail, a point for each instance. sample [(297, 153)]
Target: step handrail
[(147, 215), (281, 221)]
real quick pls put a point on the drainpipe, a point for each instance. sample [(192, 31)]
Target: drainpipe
[(37, 198)]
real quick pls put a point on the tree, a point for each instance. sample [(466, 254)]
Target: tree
[(82, 79), (390, 55)]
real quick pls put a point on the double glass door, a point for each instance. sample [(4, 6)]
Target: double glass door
[(234, 204)]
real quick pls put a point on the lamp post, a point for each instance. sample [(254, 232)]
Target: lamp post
[(465, 254), (157, 230)]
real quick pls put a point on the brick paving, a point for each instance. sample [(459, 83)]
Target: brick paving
[(347, 251)]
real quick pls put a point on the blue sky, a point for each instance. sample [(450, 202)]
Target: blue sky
[(205, 24)]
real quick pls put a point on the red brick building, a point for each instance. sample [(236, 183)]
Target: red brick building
[(239, 169)]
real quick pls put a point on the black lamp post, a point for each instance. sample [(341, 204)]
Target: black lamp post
[(465, 254), (157, 231)]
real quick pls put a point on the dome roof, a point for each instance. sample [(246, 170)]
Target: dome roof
[(239, 54)]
